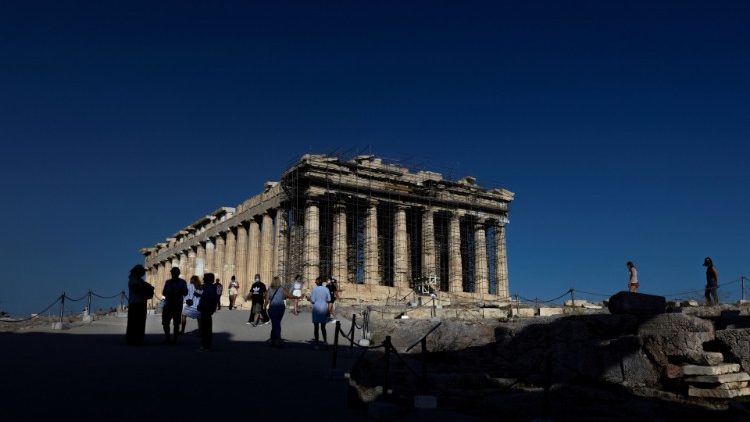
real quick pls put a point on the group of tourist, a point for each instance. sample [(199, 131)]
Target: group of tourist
[(712, 280), (199, 299), (268, 305)]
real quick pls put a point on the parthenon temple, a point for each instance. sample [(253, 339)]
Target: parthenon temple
[(379, 229)]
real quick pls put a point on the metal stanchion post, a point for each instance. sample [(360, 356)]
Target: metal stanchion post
[(424, 362), (122, 301), (387, 344), (572, 298), (518, 305), (351, 333), (742, 284), (89, 304), (62, 307), (336, 344)]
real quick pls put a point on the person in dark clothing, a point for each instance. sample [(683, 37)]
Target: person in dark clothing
[(207, 307), (174, 292), (712, 282), (139, 292), (257, 296), (219, 291), (333, 289)]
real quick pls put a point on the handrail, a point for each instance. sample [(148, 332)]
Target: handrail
[(425, 336)]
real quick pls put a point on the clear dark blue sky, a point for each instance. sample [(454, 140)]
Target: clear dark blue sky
[(622, 126)]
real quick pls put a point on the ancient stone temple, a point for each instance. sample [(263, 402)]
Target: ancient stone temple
[(379, 229)]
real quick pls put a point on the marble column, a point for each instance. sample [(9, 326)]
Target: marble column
[(160, 278), (190, 264), (182, 264), (400, 249), (455, 267), (428, 242), (210, 252), (200, 261), (339, 268), (240, 272), (372, 272), (253, 257), (501, 259), (311, 253), (266, 248), (280, 253), (229, 256), (219, 266), (480, 258)]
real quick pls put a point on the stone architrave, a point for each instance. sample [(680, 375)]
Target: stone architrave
[(190, 264), (480, 258), (455, 266), (428, 242), (229, 256), (280, 252), (253, 257), (372, 273), (210, 255), (219, 259), (311, 252), (200, 260), (241, 260), (501, 259), (339, 267), (266, 248), (400, 249)]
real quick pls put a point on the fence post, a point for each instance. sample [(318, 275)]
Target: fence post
[(518, 305), (434, 309), (122, 301), (742, 283), (351, 333), (387, 344), (336, 344), (89, 305), (424, 362), (572, 298), (62, 306)]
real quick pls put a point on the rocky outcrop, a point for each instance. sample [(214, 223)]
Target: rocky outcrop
[(736, 343), (676, 338)]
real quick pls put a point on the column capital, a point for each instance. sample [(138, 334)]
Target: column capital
[(339, 206), (480, 224), (311, 201), (372, 202), (499, 221)]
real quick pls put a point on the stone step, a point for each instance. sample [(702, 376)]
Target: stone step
[(719, 379), (725, 368), (718, 393)]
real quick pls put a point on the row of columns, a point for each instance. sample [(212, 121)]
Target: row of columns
[(241, 252), (401, 261)]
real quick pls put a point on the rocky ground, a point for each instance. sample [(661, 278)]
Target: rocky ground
[(579, 367)]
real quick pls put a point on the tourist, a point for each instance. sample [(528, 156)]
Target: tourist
[(193, 298), (332, 287), (276, 308), (175, 290), (712, 282), (234, 288), (257, 296), (206, 309), (297, 285), (319, 297), (139, 292), (633, 272), (219, 291)]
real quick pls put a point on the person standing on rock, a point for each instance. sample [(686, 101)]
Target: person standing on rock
[(234, 288), (712, 282), (633, 272), (175, 289), (320, 297), (139, 292)]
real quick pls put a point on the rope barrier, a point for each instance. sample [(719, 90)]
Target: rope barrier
[(106, 297), (38, 314), (76, 300)]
